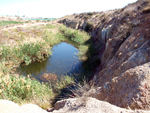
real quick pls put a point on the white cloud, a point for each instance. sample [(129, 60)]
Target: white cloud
[(59, 8)]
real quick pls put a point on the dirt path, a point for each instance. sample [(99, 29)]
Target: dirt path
[(24, 25)]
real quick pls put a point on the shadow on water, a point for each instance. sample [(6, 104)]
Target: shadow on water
[(92, 62), (34, 69)]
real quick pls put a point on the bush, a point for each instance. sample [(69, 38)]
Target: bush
[(22, 89), (37, 20), (74, 35), (25, 52)]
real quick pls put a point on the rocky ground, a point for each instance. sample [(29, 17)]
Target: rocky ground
[(74, 105), (89, 105), (122, 38)]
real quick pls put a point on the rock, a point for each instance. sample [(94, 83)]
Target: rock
[(105, 32), (50, 109), (31, 108), (88, 105), (123, 39), (130, 88), (7, 106), (48, 77)]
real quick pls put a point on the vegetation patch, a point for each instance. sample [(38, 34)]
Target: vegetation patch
[(26, 52), (30, 45), (5, 23), (79, 38)]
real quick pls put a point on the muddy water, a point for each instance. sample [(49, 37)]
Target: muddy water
[(63, 61)]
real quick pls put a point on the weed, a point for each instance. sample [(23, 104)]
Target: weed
[(74, 35), (25, 52), (3, 69), (82, 89), (82, 50), (64, 81), (28, 21), (37, 20), (6, 33), (50, 26), (22, 89), (5, 52)]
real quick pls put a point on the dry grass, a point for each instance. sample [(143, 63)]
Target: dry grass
[(81, 90)]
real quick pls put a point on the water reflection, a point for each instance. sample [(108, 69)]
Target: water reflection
[(64, 60), (34, 68)]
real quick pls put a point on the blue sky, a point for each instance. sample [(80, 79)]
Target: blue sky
[(57, 8)]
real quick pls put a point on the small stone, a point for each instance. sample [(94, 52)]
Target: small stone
[(50, 109)]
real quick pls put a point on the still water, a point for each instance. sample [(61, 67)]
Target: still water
[(50, 19), (63, 61)]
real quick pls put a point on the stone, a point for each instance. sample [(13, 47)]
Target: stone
[(7, 106), (89, 105), (48, 77)]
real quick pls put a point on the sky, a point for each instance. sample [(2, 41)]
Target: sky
[(57, 8)]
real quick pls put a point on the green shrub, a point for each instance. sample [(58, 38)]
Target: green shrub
[(37, 20), (20, 89), (50, 26), (25, 52), (74, 35), (28, 21)]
